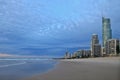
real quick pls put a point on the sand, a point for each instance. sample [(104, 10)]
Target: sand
[(84, 69)]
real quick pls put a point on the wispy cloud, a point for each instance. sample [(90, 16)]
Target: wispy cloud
[(53, 26)]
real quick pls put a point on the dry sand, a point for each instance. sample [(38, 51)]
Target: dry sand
[(84, 69)]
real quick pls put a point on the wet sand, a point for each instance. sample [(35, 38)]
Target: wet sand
[(84, 69)]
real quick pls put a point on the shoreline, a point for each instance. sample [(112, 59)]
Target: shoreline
[(106, 68)]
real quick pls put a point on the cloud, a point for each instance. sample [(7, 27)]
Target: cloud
[(53, 26)]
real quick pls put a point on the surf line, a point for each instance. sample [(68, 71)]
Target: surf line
[(12, 64)]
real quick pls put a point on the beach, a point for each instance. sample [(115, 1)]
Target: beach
[(107, 68)]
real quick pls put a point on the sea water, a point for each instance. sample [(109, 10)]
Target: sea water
[(17, 69)]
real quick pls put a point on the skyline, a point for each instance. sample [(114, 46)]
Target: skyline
[(52, 27)]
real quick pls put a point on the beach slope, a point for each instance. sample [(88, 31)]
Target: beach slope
[(84, 69)]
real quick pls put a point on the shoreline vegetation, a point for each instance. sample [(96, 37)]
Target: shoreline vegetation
[(102, 68)]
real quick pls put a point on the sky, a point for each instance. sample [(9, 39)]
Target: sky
[(52, 27)]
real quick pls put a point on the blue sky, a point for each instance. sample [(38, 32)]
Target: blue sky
[(50, 27)]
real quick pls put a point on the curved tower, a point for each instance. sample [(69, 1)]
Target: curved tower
[(106, 30)]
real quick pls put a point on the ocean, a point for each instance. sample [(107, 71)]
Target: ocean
[(18, 69)]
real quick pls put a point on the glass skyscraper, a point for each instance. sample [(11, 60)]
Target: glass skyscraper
[(106, 30)]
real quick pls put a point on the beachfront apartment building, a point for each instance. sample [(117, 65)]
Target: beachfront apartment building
[(97, 50), (112, 47), (82, 54), (95, 46), (67, 55)]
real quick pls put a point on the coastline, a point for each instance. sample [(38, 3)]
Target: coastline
[(83, 69), (16, 69)]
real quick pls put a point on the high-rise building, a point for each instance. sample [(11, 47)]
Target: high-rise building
[(94, 41), (112, 47), (87, 53), (82, 53), (75, 54), (67, 55), (106, 30), (97, 50)]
